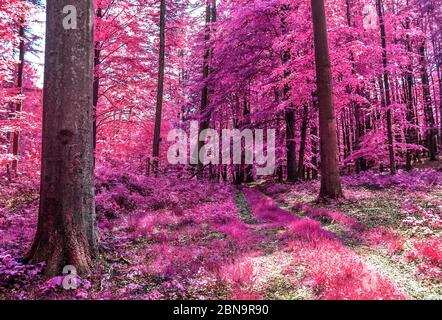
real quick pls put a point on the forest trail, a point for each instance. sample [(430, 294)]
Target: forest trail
[(276, 222), (399, 274)]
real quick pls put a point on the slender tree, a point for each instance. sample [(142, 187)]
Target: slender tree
[(205, 117), (66, 231), (386, 86), (330, 178), (96, 85), (304, 128), (410, 133), (160, 87), (289, 112), (18, 108), (431, 133)]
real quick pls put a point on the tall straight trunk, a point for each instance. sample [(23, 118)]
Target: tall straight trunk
[(96, 84), (160, 86), (19, 106), (346, 135), (66, 231), (205, 118), (439, 79), (430, 132), (330, 178), (292, 169), (390, 136), (304, 128), (289, 113), (314, 135), (410, 133), (360, 162), (248, 168)]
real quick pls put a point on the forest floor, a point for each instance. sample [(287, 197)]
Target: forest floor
[(172, 239)]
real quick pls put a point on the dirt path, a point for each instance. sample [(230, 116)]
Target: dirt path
[(320, 262), (399, 273)]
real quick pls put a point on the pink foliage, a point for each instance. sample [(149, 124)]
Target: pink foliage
[(429, 253), (334, 272), (241, 277), (381, 236)]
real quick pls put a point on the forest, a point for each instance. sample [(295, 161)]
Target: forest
[(220, 149)]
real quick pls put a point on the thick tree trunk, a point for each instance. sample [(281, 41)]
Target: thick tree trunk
[(160, 87), (18, 108), (330, 178), (390, 135), (66, 231)]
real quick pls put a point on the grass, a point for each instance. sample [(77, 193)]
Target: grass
[(244, 208)]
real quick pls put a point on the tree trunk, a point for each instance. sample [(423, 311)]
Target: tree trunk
[(430, 132), (66, 231), (410, 133), (439, 79), (330, 178), (205, 118), (18, 108), (314, 136), (96, 84), (390, 136), (160, 87), (292, 169), (292, 173), (304, 128), (248, 168)]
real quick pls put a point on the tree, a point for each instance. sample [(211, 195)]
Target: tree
[(330, 178), (431, 133), (205, 116), (18, 108), (386, 87), (66, 231), (96, 85), (159, 106), (289, 112)]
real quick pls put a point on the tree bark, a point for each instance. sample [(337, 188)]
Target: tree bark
[(304, 128), (96, 84), (205, 118), (19, 105), (439, 79), (160, 86), (292, 169), (66, 231), (330, 178), (390, 136), (430, 132)]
